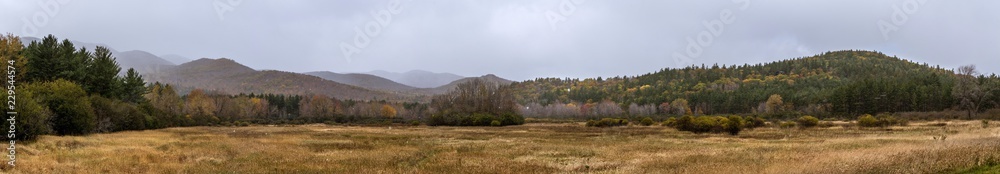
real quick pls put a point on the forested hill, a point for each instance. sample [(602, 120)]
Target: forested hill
[(839, 82)]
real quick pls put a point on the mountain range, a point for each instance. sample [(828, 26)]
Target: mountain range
[(228, 76), (419, 78)]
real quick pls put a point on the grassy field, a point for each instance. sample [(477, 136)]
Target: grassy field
[(531, 148)]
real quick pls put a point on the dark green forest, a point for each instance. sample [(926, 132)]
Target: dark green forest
[(833, 84)]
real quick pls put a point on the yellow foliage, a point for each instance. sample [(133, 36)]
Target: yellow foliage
[(388, 111)]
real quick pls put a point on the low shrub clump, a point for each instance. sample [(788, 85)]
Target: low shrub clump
[(754, 122), (607, 122), (786, 125), (714, 124), (882, 120), (475, 119), (807, 121), (826, 124), (646, 121), (670, 122)]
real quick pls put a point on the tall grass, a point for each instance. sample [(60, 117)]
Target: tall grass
[(531, 148)]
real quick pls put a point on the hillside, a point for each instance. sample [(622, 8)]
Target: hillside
[(419, 78), (228, 76), (176, 59), (450, 86), (830, 83), (363, 80), (142, 61)]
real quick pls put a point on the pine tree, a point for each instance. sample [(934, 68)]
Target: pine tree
[(133, 87), (102, 77), (41, 59)]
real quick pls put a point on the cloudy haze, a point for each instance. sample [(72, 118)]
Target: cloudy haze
[(519, 39)]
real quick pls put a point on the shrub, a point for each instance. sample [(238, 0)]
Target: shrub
[(715, 124), (882, 120), (646, 121), (826, 124), (116, 115), (33, 117), (671, 122), (734, 125), (787, 124), (475, 119), (495, 123), (807, 121), (607, 122), (71, 110), (754, 122), (867, 121), (684, 123)]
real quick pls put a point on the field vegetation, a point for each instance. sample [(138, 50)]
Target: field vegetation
[(920, 147)]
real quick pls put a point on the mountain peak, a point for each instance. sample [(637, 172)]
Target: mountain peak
[(220, 64)]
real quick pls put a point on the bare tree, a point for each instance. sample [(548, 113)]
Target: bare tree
[(968, 89)]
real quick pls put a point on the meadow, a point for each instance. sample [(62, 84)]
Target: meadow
[(967, 146)]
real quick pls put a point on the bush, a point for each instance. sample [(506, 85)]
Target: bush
[(883, 120), (607, 122), (32, 119), (734, 125), (116, 115), (646, 121), (671, 122), (754, 122), (715, 124), (71, 110), (826, 124), (495, 123), (787, 124), (867, 121), (475, 119), (807, 121)]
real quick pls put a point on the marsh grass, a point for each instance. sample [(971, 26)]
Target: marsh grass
[(530, 148)]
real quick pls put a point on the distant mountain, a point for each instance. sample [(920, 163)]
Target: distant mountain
[(142, 61), (228, 76), (90, 46), (27, 40), (419, 78), (176, 59), (451, 86), (363, 80)]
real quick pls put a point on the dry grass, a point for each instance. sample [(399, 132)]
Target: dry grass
[(532, 148)]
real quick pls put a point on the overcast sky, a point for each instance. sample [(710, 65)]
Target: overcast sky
[(518, 39)]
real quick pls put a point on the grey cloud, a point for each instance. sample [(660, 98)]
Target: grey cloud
[(514, 39)]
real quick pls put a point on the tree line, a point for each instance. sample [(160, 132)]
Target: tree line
[(841, 84)]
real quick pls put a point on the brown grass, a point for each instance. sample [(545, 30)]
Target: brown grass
[(531, 148)]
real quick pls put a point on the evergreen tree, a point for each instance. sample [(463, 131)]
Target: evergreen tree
[(102, 77), (133, 87)]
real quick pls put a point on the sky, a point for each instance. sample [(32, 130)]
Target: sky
[(520, 39)]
